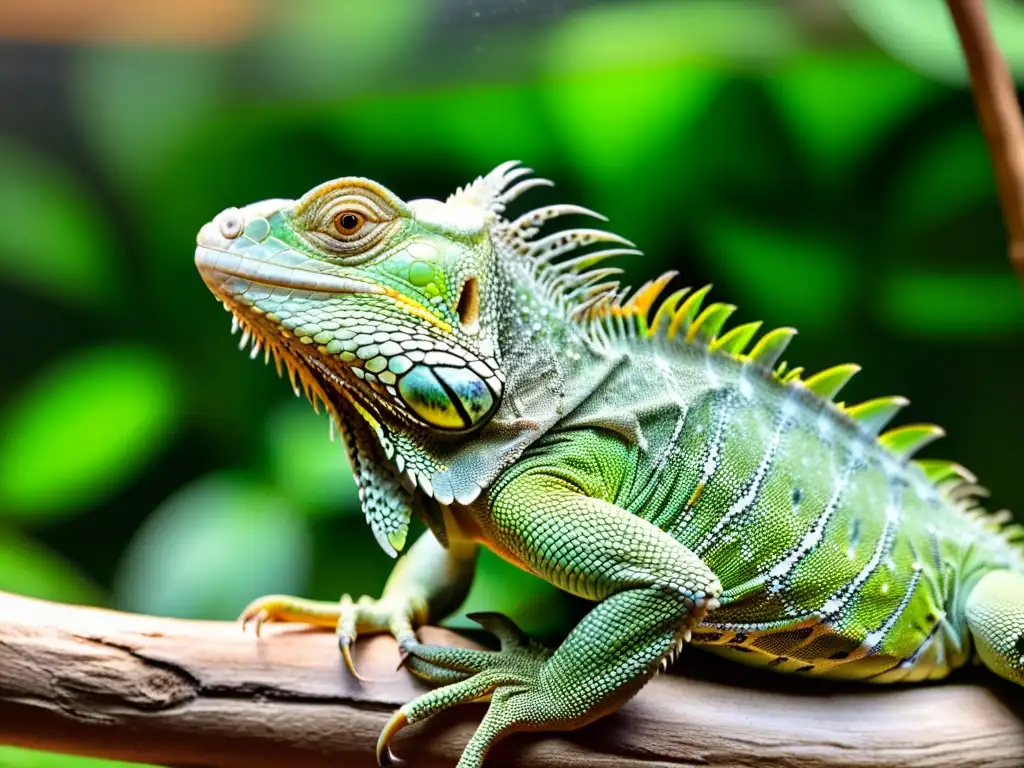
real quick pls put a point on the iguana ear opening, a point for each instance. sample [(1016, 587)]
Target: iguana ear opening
[(468, 307)]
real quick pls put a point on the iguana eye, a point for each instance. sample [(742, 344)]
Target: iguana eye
[(349, 222)]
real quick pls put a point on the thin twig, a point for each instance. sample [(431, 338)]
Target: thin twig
[(999, 112)]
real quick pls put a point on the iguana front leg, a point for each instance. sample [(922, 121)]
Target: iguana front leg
[(427, 584), (652, 591)]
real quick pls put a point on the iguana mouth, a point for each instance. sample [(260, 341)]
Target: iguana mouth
[(235, 244), (217, 263)]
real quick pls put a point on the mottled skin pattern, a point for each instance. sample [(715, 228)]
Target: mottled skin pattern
[(694, 489)]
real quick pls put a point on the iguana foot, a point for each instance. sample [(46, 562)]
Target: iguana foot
[(349, 618), (397, 616), (288, 609), (512, 679)]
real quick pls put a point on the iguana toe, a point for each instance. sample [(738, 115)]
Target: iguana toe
[(473, 675), (288, 609)]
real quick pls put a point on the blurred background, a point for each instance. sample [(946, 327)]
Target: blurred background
[(819, 162)]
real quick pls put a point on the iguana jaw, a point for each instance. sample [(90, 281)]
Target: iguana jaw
[(217, 265), (234, 257)]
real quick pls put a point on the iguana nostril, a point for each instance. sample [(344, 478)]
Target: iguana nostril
[(229, 222)]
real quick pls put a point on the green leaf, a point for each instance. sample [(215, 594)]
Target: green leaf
[(645, 127), (950, 305), (325, 49), (55, 239), (136, 105), (626, 84), (406, 127), (922, 33), (210, 548), (840, 106), (606, 141), (306, 466), (16, 757), (621, 82), (83, 428), (946, 175), (654, 33), (28, 568), (803, 279)]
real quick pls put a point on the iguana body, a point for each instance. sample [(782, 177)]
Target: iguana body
[(644, 459)]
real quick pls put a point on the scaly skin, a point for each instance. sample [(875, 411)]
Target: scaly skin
[(644, 460)]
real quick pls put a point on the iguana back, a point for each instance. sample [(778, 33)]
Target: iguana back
[(836, 555)]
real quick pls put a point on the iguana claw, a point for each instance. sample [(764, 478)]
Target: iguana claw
[(345, 644), (385, 757), (469, 676), (257, 619), (367, 615), (347, 617)]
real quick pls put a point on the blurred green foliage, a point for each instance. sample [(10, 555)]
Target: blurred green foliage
[(12, 757), (55, 238), (821, 164), (923, 35), (82, 427)]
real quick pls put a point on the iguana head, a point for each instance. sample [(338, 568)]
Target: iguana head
[(410, 320), (367, 296)]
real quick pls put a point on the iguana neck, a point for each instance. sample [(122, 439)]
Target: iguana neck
[(542, 347), (550, 365)]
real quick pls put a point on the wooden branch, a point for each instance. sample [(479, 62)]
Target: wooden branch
[(999, 112), (191, 693)]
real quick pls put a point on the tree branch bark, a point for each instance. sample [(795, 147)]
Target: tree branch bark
[(191, 693), (999, 113)]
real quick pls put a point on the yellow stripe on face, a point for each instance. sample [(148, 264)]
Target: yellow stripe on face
[(374, 424), (415, 308)]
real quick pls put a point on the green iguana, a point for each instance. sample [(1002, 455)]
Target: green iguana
[(678, 476)]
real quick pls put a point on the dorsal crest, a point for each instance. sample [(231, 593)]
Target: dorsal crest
[(492, 192), (590, 294)]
